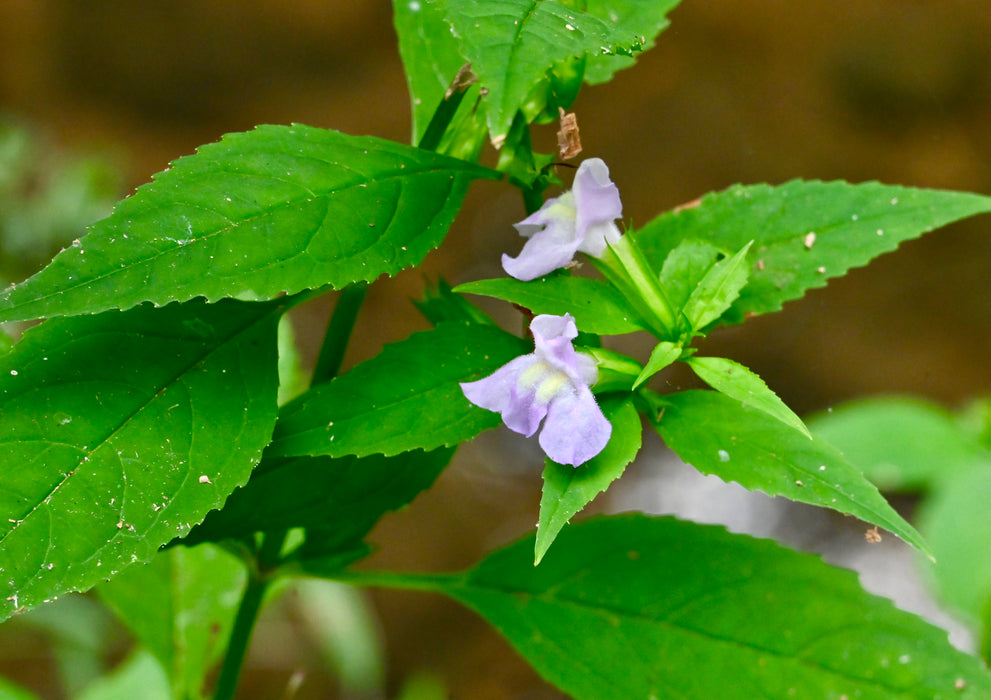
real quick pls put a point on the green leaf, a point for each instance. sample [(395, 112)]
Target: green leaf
[(900, 443), (440, 304), (430, 57), (717, 435), (956, 520), (685, 266), (740, 383), (642, 19), (121, 431), (511, 44), (181, 606), (139, 676), (408, 397), (346, 495), (717, 290), (568, 489), (277, 209), (596, 307), (785, 260), (637, 607), (6, 342), (663, 354)]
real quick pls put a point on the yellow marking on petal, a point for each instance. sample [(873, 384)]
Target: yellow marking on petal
[(534, 374), (563, 208), (551, 387)]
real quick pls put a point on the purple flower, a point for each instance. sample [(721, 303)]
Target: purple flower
[(580, 219), (552, 383)]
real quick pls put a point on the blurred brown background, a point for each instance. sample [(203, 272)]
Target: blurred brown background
[(890, 90)]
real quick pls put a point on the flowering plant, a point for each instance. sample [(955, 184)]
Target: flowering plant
[(156, 449)]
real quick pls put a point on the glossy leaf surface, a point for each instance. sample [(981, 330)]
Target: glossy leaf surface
[(511, 44), (346, 496), (852, 224), (633, 607), (568, 489), (663, 354), (277, 209), (120, 431), (718, 435), (740, 383), (717, 290), (643, 19), (596, 306), (408, 397), (684, 268)]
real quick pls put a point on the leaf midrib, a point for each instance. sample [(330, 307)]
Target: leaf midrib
[(233, 224), (100, 443), (465, 583)]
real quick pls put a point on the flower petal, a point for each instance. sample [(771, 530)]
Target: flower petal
[(552, 336), (549, 249), (596, 196), (575, 430), (503, 392), (597, 235)]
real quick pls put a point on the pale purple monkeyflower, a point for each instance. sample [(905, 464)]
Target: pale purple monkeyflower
[(581, 219), (552, 385)]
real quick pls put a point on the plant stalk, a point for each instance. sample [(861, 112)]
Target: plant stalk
[(259, 578), (339, 329)]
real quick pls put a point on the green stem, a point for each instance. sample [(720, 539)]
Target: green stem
[(431, 583), (447, 108), (259, 579), (533, 199), (339, 329)]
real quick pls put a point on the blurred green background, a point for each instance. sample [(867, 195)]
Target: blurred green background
[(734, 92)]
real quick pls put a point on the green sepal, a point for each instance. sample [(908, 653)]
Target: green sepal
[(617, 372), (623, 264)]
